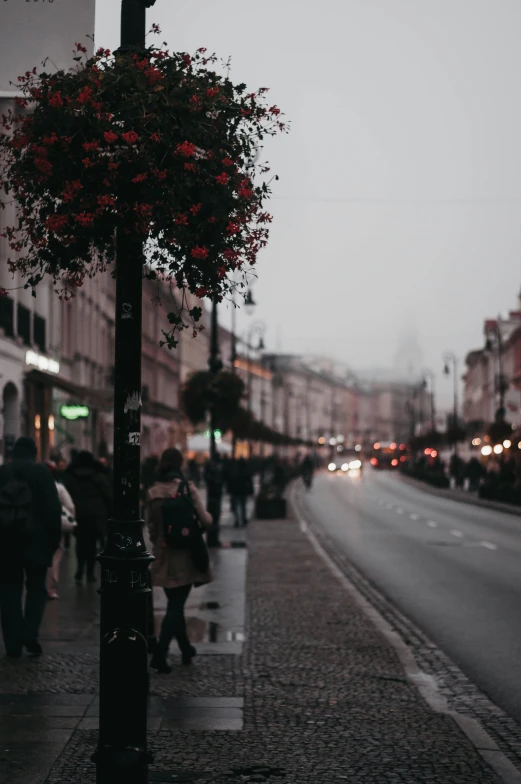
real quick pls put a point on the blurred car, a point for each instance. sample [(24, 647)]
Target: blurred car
[(346, 461)]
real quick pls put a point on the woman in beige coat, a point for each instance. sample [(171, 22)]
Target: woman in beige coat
[(173, 570)]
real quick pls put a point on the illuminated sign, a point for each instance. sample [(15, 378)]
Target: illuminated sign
[(41, 362), (74, 411)]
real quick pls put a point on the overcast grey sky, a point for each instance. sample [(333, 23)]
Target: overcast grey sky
[(398, 208)]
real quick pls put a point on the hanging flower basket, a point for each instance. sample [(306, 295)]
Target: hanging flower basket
[(202, 390), (157, 145)]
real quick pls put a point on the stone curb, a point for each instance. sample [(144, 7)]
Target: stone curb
[(461, 498), (425, 684)]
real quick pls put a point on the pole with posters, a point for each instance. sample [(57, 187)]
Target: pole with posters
[(122, 753)]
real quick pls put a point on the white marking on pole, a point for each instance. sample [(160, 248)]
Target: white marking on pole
[(489, 545), (459, 534), (432, 524), (414, 516), (133, 402)]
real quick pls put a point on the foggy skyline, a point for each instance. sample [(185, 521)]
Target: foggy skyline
[(398, 208)]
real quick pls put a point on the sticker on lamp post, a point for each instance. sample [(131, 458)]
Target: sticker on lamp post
[(74, 411)]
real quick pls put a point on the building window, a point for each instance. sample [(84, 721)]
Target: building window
[(39, 332), (24, 324), (7, 316)]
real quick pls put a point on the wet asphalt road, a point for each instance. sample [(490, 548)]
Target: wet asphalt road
[(453, 568)]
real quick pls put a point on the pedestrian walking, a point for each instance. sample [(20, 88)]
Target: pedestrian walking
[(92, 498), (240, 487), (30, 532), (214, 480), (174, 511), (68, 514)]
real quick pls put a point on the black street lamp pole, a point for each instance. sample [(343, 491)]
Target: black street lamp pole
[(122, 753), (430, 375), (215, 366), (233, 360)]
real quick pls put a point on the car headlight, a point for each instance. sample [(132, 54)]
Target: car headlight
[(332, 466), (355, 464), (345, 467)]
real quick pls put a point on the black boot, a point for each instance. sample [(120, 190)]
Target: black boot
[(188, 654), (158, 662)]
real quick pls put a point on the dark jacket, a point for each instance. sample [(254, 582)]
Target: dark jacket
[(46, 510), (92, 498), (240, 482)]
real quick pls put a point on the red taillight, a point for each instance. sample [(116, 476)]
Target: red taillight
[(403, 459), (374, 461), (394, 462)]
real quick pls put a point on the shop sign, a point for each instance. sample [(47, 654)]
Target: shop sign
[(74, 411), (41, 362), (33, 30)]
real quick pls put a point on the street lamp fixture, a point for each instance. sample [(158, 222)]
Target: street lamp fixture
[(249, 303)]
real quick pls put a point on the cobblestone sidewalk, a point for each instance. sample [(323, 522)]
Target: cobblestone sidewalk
[(324, 696)]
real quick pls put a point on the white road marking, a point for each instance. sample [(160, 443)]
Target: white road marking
[(399, 511), (489, 545), (414, 517), (457, 533), (432, 524)]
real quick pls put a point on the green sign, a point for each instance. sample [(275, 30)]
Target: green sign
[(74, 411)]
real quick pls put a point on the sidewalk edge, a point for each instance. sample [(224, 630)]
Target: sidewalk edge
[(461, 499), (425, 684)]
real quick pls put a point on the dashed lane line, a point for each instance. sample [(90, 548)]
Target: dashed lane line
[(489, 545), (414, 516), (459, 534), (432, 523)]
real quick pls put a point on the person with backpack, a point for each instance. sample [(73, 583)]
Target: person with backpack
[(30, 533), (176, 517), (92, 498)]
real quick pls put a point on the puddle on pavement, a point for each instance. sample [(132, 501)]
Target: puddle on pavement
[(210, 631)]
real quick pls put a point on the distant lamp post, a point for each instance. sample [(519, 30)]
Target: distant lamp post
[(494, 340), (428, 374), (249, 303), (215, 366), (451, 359), (257, 329)]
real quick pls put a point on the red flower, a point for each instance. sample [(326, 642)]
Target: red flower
[(56, 223), (223, 179), (187, 149), (84, 218), (106, 200), (130, 137), (81, 48), (139, 178), (221, 272), (113, 166), (71, 190), (56, 101), (195, 209), (212, 219), (200, 253), (190, 167), (274, 110), (245, 192), (88, 163), (85, 95), (154, 137), (43, 165), (110, 137), (227, 162), (233, 228), (153, 75), (97, 106), (161, 175), (91, 146), (202, 291), (3, 292), (181, 220), (187, 60), (50, 140), (212, 91)]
